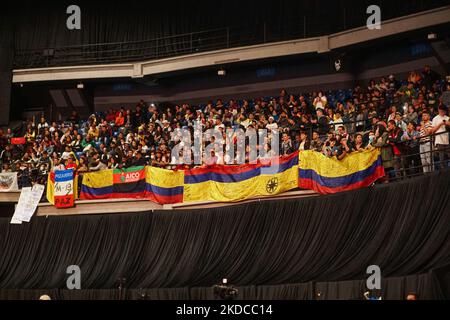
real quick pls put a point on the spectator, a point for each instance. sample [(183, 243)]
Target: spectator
[(441, 140), (286, 145), (426, 128), (304, 143), (411, 139), (429, 77), (395, 136), (359, 145), (382, 141), (316, 142), (142, 135)]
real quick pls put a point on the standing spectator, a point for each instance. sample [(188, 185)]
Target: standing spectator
[(441, 140), (426, 128), (411, 140), (382, 141), (411, 115), (395, 136), (429, 77), (322, 122)]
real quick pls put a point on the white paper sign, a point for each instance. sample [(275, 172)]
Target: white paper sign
[(28, 202)]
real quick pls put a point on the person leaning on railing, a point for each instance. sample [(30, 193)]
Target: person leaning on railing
[(381, 141)]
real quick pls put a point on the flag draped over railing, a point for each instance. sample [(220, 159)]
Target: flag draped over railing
[(236, 183), (164, 186), (330, 175), (62, 188), (306, 170)]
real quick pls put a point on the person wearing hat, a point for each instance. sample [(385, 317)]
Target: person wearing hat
[(440, 128)]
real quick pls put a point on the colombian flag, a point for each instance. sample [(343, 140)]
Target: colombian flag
[(235, 183), (163, 186), (330, 175), (114, 184), (97, 185)]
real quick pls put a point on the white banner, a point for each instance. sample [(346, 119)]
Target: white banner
[(8, 182), (28, 202)]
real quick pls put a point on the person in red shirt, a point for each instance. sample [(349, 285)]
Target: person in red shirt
[(111, 116), (120, 120), (71, 164)]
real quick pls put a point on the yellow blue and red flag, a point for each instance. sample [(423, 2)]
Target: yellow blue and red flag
[(330, 175), (224, 183)]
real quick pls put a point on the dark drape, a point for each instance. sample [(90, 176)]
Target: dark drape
[(392, 289), (402, 227)]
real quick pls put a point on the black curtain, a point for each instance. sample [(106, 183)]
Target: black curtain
[(401, 227), (392, 289)]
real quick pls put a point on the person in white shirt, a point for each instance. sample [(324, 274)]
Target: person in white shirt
[(320, 102), (441, 140), (272, 125)]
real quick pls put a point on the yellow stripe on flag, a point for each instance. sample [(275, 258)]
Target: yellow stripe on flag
[(98, 179), (332, 167), (263, 185), (164, 178)]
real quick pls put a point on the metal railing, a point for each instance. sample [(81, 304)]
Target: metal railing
[(301, 27), (158, 48)]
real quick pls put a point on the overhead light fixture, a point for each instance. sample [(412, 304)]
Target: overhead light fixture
[(80, 86)]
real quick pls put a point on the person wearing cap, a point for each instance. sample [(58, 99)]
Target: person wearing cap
[(440, 125)]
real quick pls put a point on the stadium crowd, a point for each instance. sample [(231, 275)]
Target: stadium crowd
[(396, 116)]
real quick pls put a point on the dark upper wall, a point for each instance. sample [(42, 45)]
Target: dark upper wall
[(41, 24)]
